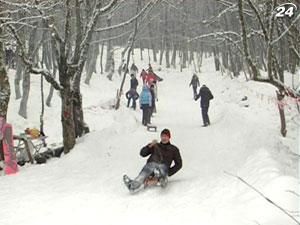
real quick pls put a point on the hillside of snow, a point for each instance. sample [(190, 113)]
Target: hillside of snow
[(85, 186)]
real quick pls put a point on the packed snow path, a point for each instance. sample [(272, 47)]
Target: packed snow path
[(85, 186)]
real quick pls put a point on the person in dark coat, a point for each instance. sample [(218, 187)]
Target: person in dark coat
[(153, 105), (205, 95), (146, 104), (132, 95), (195, 83), (133, 82), (159, 164)]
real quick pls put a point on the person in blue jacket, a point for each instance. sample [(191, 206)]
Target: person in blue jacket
[(146, 105)]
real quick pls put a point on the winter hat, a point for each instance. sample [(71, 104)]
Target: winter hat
[(166, 132)]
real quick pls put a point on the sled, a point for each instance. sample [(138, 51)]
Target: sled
[(151, 181), (10, 161), (27, 147), (154, 181), (151, 127)]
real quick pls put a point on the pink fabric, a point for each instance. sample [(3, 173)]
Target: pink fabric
[(10, 160)]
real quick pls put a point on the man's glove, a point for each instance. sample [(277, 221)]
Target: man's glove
[(154, 142)]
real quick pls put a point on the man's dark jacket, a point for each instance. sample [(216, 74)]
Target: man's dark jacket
[(164, 153), (205, 95), (134, 83)]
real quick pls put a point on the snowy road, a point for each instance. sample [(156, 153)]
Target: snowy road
[(85, 187)]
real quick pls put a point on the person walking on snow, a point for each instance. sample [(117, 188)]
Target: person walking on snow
[(151, 78), (133, 82), (153, 105), (144, 75), (158, 165), (146, 104), (195, 84), (205, 95), (132, 93)]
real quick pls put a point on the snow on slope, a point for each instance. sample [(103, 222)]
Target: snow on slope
[(85, 186)]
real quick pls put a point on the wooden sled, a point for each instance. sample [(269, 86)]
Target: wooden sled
[(151, 127), (151, 181)]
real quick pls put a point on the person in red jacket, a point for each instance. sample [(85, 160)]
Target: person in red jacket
[(151, 78), (144, 75), (159, 164)]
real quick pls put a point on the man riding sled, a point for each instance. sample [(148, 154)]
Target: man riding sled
[(159, 164)]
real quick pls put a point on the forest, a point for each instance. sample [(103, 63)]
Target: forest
[(65, 70)]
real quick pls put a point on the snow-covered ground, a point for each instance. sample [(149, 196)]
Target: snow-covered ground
[(85, 186)]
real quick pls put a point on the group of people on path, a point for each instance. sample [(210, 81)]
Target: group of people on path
[(148, 96), (164, 159), (205, 96)]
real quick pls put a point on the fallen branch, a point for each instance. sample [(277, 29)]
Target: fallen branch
[(293, 192), (261, 194)]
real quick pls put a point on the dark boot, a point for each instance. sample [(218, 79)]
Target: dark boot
[(134, 104), (163, 181), (128, 103)]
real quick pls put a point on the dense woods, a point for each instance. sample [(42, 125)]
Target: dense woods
[(62, 40)]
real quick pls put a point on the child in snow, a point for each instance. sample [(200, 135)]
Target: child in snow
[(158, 164), (146, 104)]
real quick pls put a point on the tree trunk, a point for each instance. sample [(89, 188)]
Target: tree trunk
[(91, 63), (216, 58), (55, 69), (173, 60), (51, 91), (109, 47), (79, 124), (184, 45), (166, 38), (68, 126), (141, 51), (101, 59), (254, 70), (26, 90), (280, 97), (4, 82), (26, 79), (18, 77), (161, 53), (152, 43)]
